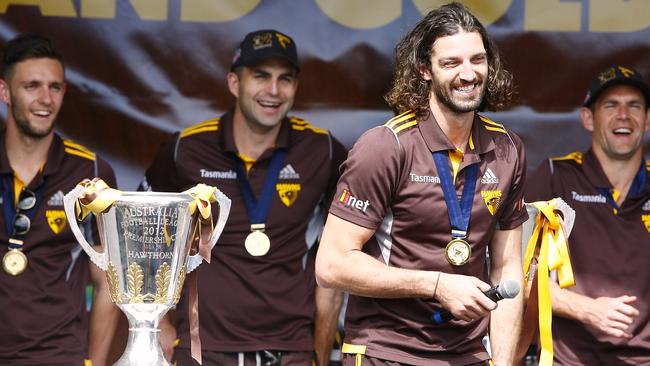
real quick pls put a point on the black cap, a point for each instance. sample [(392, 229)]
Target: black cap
[(262, 45), (615, 75)]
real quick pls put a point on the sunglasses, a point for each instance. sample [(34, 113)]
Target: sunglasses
[(26, 201)]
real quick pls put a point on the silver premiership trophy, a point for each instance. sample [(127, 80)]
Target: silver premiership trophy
[(146, 239)]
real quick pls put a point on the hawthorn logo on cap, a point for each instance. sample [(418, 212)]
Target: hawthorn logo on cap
[(262, 40), (262, 45), (615, 75), (283, 40), (606, 75)]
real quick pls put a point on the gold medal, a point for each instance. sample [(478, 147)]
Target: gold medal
[(14, 262), (458, 252), (257, 243)]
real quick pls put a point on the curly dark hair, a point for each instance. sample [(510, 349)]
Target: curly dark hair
[(409, 91)]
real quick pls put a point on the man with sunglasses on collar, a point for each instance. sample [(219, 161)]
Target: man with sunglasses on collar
[(44, 271)]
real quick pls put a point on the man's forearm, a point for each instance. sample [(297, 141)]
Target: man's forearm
[(328, 305), (341, 264), (567, 304), (103, 322), (506, 320), (360, 274), (505, 328)]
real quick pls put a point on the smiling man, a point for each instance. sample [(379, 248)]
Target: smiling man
[(258, 299), (605, 318), (43, 282), (412, 249)]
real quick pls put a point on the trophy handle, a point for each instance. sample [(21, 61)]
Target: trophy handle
[(69, 204), (224, 210)]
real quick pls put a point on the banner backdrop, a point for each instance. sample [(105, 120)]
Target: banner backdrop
[(139, 70)]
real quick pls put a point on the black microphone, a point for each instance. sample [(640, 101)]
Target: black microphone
[(505, 290)]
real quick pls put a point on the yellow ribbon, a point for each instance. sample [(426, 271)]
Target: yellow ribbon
[(203, 197), (97, 197), (553, 255)]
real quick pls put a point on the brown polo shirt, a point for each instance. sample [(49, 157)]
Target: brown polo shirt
[(43, 313), (251, 303), (389, 183), (609, 255)]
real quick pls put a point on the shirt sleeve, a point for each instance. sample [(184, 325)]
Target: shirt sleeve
[(540, 186), (369, 178), (162, 175), (105, 171), (339, 153), (514, 213)]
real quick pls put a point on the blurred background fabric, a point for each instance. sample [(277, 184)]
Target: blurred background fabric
[(138, 70)]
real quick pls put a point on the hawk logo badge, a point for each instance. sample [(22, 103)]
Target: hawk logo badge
[(646, 221), (56, 219), (288, 192), (492, 200)]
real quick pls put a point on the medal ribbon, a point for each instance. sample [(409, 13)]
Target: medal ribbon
[(553, 254), (459, 212), (97, 197), (9, 208), (258, 210)]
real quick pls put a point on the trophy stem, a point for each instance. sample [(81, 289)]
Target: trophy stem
[(143, 346)]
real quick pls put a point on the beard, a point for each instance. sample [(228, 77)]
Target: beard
[(24, 125), (622, 153), (444, 94)]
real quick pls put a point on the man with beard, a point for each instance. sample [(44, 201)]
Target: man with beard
[(389, 239), (258, 300), (43, 281), (605, 318)]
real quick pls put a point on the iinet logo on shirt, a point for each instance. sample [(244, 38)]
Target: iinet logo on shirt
[(350, 201)]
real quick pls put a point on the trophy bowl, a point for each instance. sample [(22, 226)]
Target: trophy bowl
[(146, 239)]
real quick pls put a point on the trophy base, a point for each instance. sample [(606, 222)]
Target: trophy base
[(143, 346)]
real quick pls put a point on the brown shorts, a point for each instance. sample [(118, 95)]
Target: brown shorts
[(285, 358)]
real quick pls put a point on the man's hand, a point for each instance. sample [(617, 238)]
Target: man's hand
[(463, 296), (610, 316), (167, 337)]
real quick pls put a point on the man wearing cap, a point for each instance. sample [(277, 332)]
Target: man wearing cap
[(258, 302), (605, 318)]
